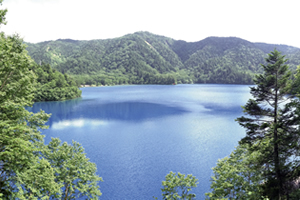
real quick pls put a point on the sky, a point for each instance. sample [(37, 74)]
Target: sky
[(268, 21)]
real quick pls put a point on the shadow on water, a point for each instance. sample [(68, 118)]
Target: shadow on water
[(223, 110), (127, 111), (59, 110)]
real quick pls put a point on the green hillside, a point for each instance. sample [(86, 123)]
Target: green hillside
[(145, 58)]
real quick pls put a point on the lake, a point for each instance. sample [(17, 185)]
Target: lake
[(138, 134)]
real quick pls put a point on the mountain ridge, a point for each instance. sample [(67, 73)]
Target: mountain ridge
[(146, 58)]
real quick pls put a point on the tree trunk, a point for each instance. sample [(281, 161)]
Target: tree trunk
[(276, 150), (66, 192)]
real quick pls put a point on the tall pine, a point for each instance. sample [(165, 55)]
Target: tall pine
[(271, 123)]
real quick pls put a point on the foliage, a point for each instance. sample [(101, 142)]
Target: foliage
[(24, 173), (2, 14), (18, 127), (61, 171), (237, 177), (296, 83), (37, 182), (178, 186), (73, 171), (273, 127), (53, 85)]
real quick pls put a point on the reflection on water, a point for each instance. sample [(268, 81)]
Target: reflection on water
[(77, 123)]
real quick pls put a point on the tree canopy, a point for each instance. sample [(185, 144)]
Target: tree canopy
[(237, 176), (26, 165), (52, 85), (178, 186)]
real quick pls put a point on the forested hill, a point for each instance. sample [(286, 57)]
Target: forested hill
[(145, 58)]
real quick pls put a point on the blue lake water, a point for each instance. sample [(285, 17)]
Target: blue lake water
[(138, 134)]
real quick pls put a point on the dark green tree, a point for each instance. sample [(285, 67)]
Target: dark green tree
[(53, 85), (272, 127)]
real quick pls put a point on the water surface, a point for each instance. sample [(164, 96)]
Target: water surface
[(138, 134)]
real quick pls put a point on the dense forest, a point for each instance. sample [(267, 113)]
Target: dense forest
[(52, 85), (146, 58)]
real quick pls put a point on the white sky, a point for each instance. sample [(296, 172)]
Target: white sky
[(269, 21)]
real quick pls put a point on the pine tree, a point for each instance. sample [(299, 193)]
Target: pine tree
[(272, 126)]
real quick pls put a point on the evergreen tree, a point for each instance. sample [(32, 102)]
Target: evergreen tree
[(273, 127)]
